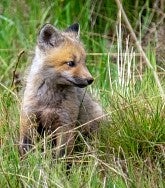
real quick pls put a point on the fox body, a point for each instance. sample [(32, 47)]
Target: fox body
[(55, 100)]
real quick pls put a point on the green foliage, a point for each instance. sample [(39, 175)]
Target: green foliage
[(129, 150)]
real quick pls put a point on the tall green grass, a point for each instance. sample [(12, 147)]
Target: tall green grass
[(129, 150)]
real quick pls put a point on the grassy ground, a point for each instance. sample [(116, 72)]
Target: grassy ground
[(130, 150)]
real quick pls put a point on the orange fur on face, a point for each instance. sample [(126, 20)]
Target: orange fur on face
[(69, 51)]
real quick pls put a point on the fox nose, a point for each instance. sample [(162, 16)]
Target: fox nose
[(90, 80)]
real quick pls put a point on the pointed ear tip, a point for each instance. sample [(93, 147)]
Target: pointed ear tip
[(46, 30), (47, 26), (77, 25)]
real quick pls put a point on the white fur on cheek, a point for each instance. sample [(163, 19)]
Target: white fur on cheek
[(36, 65)]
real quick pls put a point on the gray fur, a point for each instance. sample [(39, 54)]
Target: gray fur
[(53, 104)]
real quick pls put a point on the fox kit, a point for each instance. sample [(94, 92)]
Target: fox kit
[(55, 101)]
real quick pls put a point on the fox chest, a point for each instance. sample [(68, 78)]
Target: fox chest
[(57, 107)]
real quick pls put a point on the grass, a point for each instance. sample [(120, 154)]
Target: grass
[(129, 151)]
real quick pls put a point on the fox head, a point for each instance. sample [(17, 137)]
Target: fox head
[(63, 56)]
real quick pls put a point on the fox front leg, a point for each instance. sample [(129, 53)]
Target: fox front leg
[(26, 135), (25, 144), (65, 139)]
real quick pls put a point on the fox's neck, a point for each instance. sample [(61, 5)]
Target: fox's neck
[(47, 92)]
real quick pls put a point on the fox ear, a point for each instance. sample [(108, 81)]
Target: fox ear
[(74, 30), (49, 37)]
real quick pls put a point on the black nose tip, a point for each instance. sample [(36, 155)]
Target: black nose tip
[(90, 81)]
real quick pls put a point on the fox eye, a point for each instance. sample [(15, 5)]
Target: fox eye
[(71, 63)]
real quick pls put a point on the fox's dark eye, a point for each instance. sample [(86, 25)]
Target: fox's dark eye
[(71, 63)]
